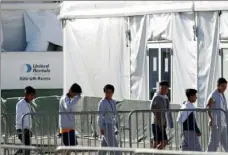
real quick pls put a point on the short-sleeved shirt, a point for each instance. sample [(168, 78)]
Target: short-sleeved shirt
[(219, 118), (159, 103)]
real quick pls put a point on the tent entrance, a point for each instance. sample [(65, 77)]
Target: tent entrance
[(160, 65)]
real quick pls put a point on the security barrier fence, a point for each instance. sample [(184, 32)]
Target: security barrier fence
[(50, 104), (62, 150), (94, 150), (141, 132), (134, 127), (126, 151), (87, 129), (13, 149)]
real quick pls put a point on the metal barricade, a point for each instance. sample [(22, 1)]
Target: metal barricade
[(134, 131), (93, 150), (13, 149), (4, 129), (8, 129), (172, 152), (141, 133), (126, 151), (45, 128)]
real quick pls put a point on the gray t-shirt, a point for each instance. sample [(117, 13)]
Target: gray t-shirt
[(159, 103)]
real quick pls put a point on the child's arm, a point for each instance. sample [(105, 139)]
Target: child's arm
[(211, 101), (117, 116), (101, 121), (19, 114), (69, 104), (74, 100)]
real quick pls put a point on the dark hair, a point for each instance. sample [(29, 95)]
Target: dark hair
[(221, 81), (109, 87), (164, 83), (190, 92), (75, 88), (29, 90)]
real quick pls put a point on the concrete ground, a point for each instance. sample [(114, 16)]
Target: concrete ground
[(48, 145)]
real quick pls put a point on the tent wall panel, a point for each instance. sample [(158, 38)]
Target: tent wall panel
[(160, 26), (209, 64), (196, 62), (13, 27), (184, 56), (138, 61), (95, 54)]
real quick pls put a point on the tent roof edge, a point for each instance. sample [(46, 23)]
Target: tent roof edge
[(121, 12), (74, 10)]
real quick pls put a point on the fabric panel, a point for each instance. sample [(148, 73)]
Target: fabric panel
[(209, 63), (95, 54), (184, 56), (139, 70), (42, 28), (160, 26)]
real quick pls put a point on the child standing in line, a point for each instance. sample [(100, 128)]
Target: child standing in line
[(162, 118), (24, 129), (107, 120), (187, 118), (67, 105)]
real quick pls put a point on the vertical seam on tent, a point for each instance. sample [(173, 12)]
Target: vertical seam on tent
[(195, 31), (129, 50), (171, 56), (108, 34), (196, 17)]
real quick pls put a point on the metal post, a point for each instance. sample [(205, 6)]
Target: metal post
[(0, 75), (159, 64), (129, 127)]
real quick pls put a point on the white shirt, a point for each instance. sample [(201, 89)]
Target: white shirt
[(183, 115), (222, 105), (23, 108)]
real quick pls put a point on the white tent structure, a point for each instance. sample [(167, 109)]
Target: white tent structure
[(30, 26), (41, 28), (107, 42)]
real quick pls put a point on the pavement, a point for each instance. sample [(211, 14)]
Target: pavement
[(49, 144)]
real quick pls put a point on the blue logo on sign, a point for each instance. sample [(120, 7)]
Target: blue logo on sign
[(28, 68)]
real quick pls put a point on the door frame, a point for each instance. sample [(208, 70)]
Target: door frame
[(222, 45), (159, 45)]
